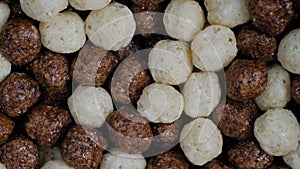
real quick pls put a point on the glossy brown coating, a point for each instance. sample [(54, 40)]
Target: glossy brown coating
[(129, 131), (216, 164), (146, 3), (271, 16), (18, 92), (6, 128), (166, 134), (249, 155), (246, 79), (296, 89), (167, 160), (83, 147)]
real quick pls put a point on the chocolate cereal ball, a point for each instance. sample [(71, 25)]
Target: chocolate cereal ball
[(169, 159), (18, 92), (6, 128), (146, 3), (216, 164), (296, 89), (246, 79), (166, 134)]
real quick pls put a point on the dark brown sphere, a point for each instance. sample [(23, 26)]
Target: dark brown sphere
[(166, 135), (296, 89), (6, 128), (167, 160), (147, 3), (216, 164)]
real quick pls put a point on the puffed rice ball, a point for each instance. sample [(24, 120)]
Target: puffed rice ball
[(64, 33), (183, 19), (90, 105), (293, 158), (5, 68), (214, 48), (4, 14), (288, 51), (278, 91), (43, 10), (201, 141), (56, 164), (2, 166), (201, 93), (166, 58), (89, 4), (229, 13), (277, 131), (160, 103), (48, 153), (111, 27)]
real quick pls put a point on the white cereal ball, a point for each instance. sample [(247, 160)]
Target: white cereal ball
[(64, 33), (288, 51), (111, 27), (47, 154), (90, 105), (214, 48), (160, 103), (229, 13), (89, 4), (5, 68), (292, 159), (2, 166), (277, 131), (278, 91), (43, 10), (4, 14), (201, 94), (56, 164), (201, 141), (183, 19), (170, 62)]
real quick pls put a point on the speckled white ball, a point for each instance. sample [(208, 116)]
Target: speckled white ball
[(5, 68), (90, 105), (56, 164), (292, 159), (49, 153), (277, 131), (2, 166), (4, 14), (89, 4)]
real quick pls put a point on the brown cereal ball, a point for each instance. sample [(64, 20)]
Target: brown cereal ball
[(166, 134), (249, 155), (216, 164), (20, 41), (169, 159), (20, 153), (296, 89), (146, 3), (129, 131), (6, 128), (83, 147), (246, 79), (134, 46), (18, 92), (271, 16)]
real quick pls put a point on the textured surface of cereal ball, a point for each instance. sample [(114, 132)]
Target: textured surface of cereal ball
[(4, 14), (169, 159), (5, 68), (201, 141), (147, 4), (111, 27), (20, 153), (278, 91), (166, 134), (288, 51), (43, 10), (89, 4), (65, 33), (271, 16), (246, 79), (249, 155), (214, 48), (93, 109), (165, 59), (184, 19), (293, 158), (201, 94), (216, 164), (83, 147), (56, 164), (6, 128), (296, 89), (18, 92), (277, 131), (48, 153), (129, 131), (23, 48)]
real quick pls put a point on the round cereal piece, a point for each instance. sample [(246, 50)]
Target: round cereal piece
[(296, 89), (293, 158), (5, 68), (201, 94), (169, 159), (93, 109), (65, 33), (165, 59), (201, 141), (89, 4), (184, 19), (214, 48), (278, 91), (160, 103), (147, 4), (43, 10), (4, 14), (216, 164), (288, 51), (111, 27), (277, 131), (56, 164), (6, 128), (48, 153)]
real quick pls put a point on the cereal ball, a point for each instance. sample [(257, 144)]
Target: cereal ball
[(257, 45), (296, 89), (48, 154), (216, 164), (147, 4), (246, 79), (20, 153), (165, 59), (18, 92), (278, 91), (184, 19), (43, 10), (6, 128), (288, 51), (201, 141), (129, 131), (5, 68), (249, 155), (111, 27), (271, 16), (166, 134), (93, 109), (21, 49), (65, 33), (277, 131), (52, 95), (56, 164), (214, 48), (83, 147), (89, 4), (134, 46), (4, 14), (293, 158), (166, 160), (201, 94)]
